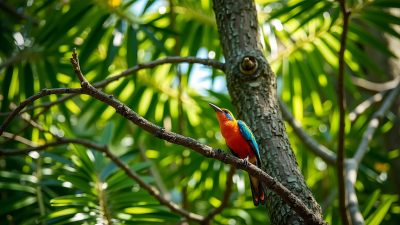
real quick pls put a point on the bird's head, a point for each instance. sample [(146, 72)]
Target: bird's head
[(222, 114)]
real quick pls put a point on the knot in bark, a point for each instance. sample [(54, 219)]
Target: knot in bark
[(248, 65)]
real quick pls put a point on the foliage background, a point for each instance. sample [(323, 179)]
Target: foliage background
[(74, 185)]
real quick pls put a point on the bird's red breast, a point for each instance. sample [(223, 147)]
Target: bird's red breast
[(235, 140)]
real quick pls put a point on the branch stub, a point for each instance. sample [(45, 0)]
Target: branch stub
[(248, 65)]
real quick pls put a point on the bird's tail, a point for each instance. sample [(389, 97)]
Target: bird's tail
[(257, 191)]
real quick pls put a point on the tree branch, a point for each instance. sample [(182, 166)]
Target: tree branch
[(341, 154), (360, 109), (297, 205), (18, 138), (372, 86), (292, 200), (320, 150)]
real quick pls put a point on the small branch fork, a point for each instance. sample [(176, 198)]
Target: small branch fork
[(86, 88)]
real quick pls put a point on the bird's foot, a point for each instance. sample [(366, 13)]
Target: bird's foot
[(246, 161)]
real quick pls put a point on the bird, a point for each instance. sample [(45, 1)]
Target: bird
[(241, 142)]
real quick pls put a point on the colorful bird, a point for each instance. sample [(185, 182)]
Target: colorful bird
[(241, 142)]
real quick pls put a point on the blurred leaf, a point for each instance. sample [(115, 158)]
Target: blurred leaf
[(377, 217)]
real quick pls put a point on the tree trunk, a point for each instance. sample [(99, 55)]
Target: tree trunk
[(252, 86)]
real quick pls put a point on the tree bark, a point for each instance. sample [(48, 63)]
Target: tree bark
[(252, 87)]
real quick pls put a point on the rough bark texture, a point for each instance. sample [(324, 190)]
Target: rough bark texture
[(253, 92)]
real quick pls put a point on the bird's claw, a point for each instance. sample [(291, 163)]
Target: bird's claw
[(246, 161)]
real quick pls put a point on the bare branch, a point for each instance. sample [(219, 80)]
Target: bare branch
[(225, 200), (320, 150), (169, 59), (372, 86), (351, 177), (363, 106), (18, 138)]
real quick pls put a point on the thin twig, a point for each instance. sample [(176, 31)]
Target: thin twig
[(341, 154), (18, 138), (152, 64), (363, 106), (225, 199), (318, 149), (351, 178), (373, 86)]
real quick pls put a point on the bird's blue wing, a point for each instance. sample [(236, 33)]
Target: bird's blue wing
[(248, 135)]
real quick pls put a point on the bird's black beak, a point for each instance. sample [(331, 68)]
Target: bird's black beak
[(216, 108)]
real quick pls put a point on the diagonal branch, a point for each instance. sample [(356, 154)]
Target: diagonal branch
[(291, 199), (18, 138), (363, 106), (318, 149)]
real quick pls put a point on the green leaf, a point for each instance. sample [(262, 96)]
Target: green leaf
[(376, 15), (377, 217), (132, 47), (6, 88), (367, 39), (107, 134), (78, 183), (17, 187), (374, 197), (326, 7), (16, 204), (28, 80), (93, 40)]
